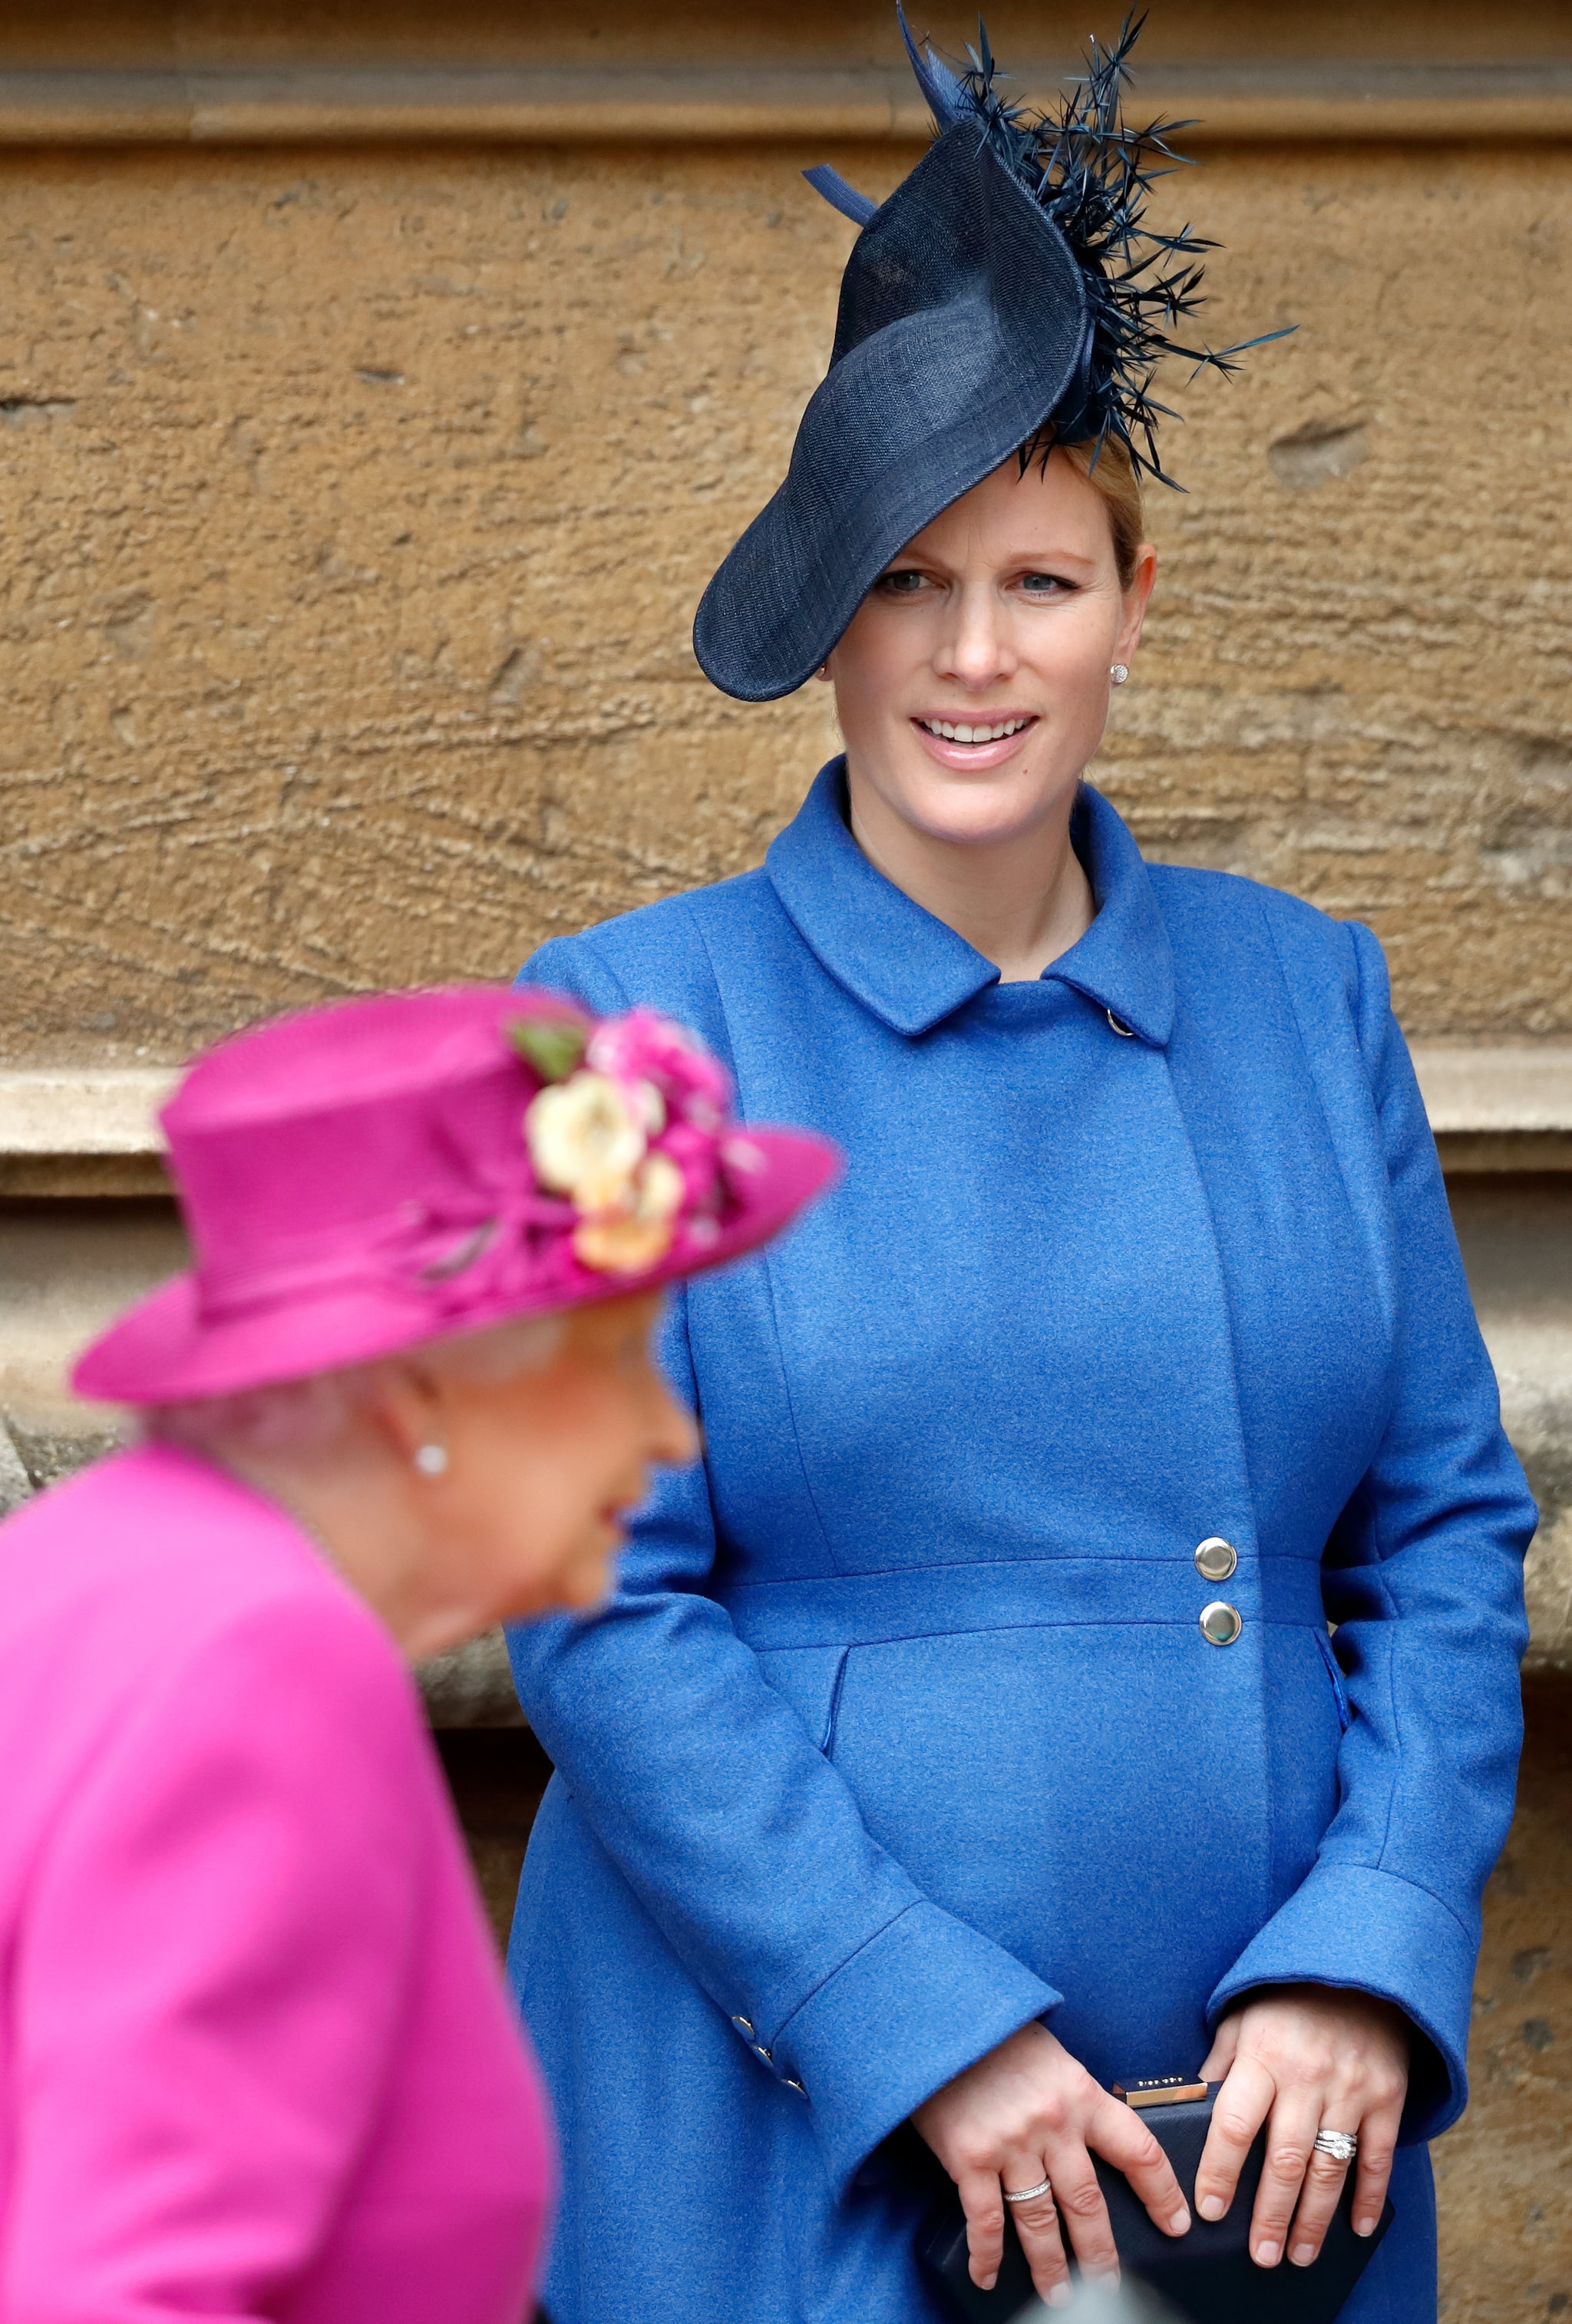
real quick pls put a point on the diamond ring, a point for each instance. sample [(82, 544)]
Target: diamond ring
[(1342, 2146), (1025, 2194)]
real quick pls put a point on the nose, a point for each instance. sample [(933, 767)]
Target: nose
[(673, 1438), (974, 648)]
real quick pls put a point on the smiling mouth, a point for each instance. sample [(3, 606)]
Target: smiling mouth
[(977, 732)]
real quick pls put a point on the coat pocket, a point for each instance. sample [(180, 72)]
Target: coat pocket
[(810, 1678), (1339, 1687)]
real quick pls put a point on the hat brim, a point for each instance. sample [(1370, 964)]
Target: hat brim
[(909, 417), (164, 1351)]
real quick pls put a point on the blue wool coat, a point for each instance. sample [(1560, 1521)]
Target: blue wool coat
[(902, 1729)]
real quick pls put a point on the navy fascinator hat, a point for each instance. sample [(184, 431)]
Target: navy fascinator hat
[(1006, 296)]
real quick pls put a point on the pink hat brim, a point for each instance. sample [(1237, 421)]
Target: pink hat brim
[(163, 1351)]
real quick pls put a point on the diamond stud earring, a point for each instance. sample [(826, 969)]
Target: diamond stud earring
[(1119, 673), (431, 1459)]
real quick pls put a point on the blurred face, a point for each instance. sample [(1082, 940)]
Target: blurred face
[(544, 1465), (973, 684)]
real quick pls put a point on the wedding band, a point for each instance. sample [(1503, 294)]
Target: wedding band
[(1027, 2194), (1342, 2146)]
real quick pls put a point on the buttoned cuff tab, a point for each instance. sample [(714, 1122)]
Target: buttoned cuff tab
[(921, 2001), (1350, 1925), (749, 2032)]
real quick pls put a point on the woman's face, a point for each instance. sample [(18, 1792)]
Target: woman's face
[(544, 1464), (1004, 613)]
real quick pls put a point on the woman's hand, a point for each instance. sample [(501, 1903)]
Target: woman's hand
[(1311, 2057), (1028, 2112)]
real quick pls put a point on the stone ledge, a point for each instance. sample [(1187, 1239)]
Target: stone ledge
[(83, 1134), (1516, 1087), (111, 1112), (1503, 1108), (664, 105), (1498, 1153)]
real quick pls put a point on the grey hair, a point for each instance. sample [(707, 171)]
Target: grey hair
[(310, 1414)]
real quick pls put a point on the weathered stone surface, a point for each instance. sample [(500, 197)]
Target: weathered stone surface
[(15, 1485), (358, 504), (471, 1686), (370, 663), (1234, 39), (65, 1269), (1517, 1245), (1506, 2225), (1540, 1421)]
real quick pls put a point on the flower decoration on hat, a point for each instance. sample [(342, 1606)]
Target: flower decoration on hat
[(586, 1141), (631, 1127)]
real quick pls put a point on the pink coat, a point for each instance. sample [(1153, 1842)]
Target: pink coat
[(256, 2057)]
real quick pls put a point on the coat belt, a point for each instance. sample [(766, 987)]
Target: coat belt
[(844, 1609)]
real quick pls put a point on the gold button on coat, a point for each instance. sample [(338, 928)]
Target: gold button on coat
[(1220, 1623), (1215, 1559)]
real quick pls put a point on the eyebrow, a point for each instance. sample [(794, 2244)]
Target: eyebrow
[(1032, 559)]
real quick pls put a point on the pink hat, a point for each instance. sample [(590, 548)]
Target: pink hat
[(366, 1178)]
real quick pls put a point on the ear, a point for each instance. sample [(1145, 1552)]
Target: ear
[(1136, 600), (405, 1404)]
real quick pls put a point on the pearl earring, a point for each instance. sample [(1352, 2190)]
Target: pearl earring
[(431, 1459), (1119, 673)]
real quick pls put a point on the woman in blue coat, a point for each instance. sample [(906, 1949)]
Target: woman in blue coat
[(967, 1733)]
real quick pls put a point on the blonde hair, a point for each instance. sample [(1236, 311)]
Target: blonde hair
[(1112, 474)]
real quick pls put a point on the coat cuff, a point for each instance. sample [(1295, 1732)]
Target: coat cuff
[(1350, 1925), (920, 2002)]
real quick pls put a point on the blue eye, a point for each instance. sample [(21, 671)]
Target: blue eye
[(1042, 585), (904, 584)]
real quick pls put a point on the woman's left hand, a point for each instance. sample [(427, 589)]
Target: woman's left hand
[(1309, 2057)]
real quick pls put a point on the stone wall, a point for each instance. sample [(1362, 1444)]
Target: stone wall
[(357, 501)]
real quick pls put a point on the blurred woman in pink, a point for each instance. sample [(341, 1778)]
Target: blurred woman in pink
[(255, 2058)]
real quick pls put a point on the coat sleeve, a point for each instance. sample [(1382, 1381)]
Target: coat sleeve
[(1423, 1577), (737, 1834), (208, 1983)]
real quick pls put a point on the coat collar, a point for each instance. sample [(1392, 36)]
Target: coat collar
[(913, 972)]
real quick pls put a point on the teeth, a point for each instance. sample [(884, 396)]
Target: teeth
[(974, 734)]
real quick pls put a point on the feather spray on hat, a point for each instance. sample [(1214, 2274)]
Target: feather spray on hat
[(1092, 175)]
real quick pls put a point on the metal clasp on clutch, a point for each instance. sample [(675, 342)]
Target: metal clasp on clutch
[(1161, 2090)]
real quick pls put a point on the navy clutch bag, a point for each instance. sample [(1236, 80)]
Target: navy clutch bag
[(1206, 2276)]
